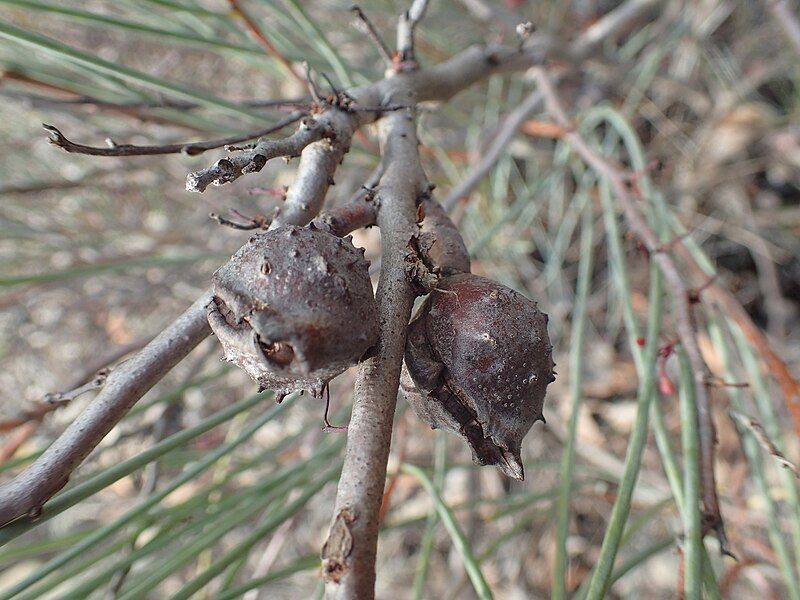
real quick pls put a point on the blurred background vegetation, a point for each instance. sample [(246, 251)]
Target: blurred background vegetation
[(208, 491)]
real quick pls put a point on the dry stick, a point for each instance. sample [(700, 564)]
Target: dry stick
[(234, 166), (349, 553), (499, 146), (405, 31), (189, 148), (262, 40), (683, 317), (33, 487), (373, 34)]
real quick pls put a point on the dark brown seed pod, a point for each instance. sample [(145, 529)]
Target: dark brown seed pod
[(294, 308), (478, 361)]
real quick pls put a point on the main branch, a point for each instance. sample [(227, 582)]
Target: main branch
[(349, 553)]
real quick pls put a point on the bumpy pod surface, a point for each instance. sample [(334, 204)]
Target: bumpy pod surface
[(478, 362), (294, 308)]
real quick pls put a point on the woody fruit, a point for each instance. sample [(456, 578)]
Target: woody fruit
[(294, 308), (478, 362)]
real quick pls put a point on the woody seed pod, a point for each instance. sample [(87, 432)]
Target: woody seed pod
[(294, 308), (478, 361)]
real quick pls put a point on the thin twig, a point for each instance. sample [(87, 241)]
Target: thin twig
[(189, 148), (499, 146), (125, 385), (310, 84), (255, 32), (373, 35), (360, 211), (763, 440), (683, 315), (247, 223), (773, 363), (96, 382), (91, 378), (406, 58), (234, 166)]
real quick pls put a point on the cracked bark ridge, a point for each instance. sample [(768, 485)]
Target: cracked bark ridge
[(478, 362), (294, 308)]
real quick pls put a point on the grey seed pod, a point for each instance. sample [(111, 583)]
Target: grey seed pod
[(478, 361), (294, 308)]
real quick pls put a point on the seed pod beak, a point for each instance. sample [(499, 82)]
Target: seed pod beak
[(511, 465)]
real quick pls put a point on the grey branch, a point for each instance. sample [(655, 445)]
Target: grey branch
[(234, 166), (127, 383), (499, 146), (360, 211), (317, 167), (405, 30), (349, 553)]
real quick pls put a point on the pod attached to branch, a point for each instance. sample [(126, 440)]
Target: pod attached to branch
[(478, 362), (294, 308)]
